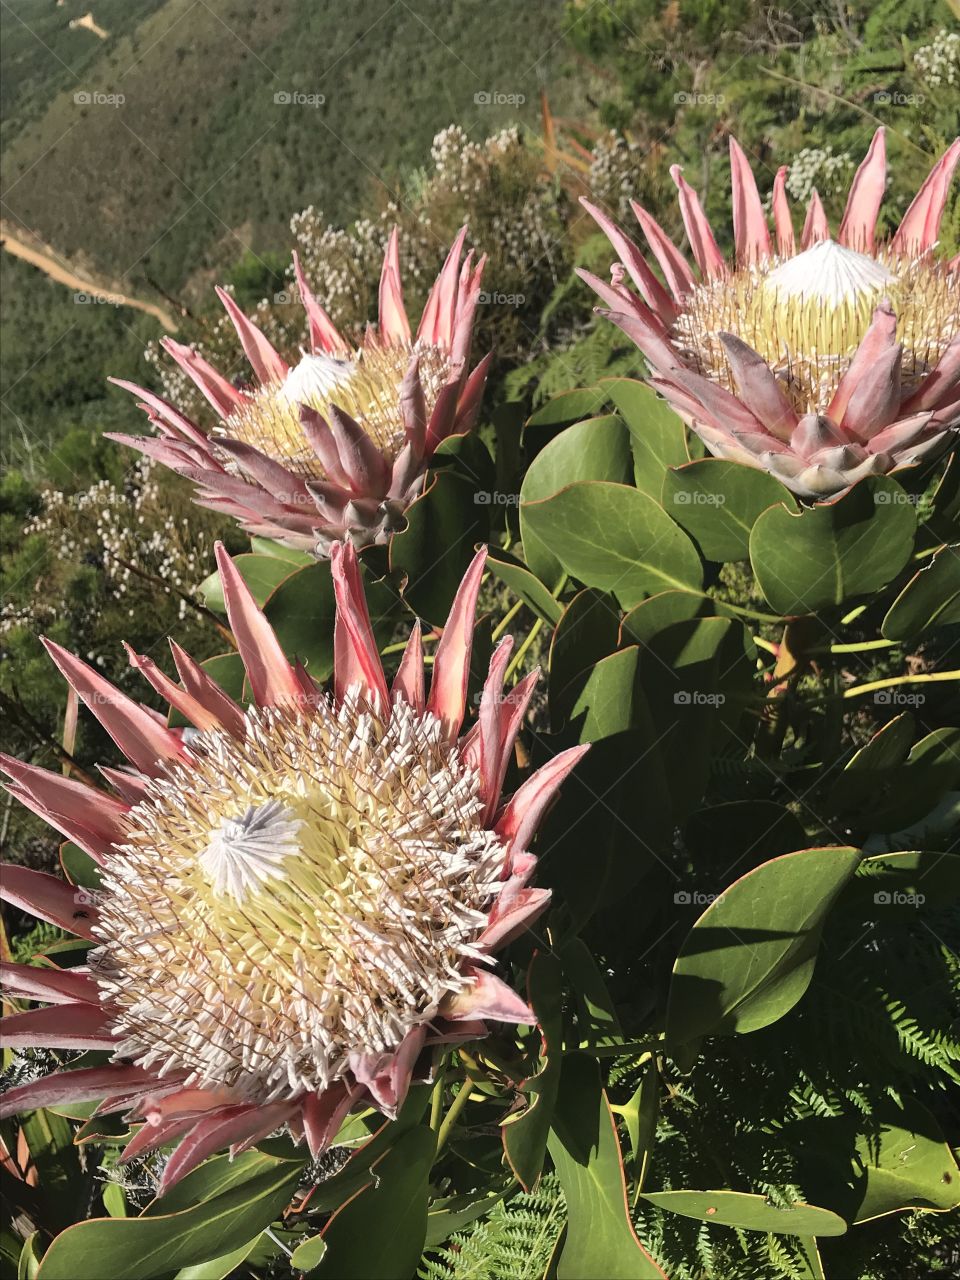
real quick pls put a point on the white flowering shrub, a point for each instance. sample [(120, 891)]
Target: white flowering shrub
[(820, 168), (939, 62), (617, 172)]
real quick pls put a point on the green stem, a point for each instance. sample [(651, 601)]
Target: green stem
[(852, 615), (518, 656), (402, 644), (453, 1115), (860, 647), (932, 678), (436, 1100), (750, 613), (506, 620)]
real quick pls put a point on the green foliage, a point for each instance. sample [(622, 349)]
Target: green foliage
[(515, 1242), (746, 983), (216, 155)]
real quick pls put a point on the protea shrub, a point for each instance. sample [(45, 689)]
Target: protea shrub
[(821, 359), (336, 445), (296, 899)]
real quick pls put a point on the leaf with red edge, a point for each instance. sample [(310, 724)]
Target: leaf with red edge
[(525, 1135), (601, 1243), (156, 1245), (379, 1234)]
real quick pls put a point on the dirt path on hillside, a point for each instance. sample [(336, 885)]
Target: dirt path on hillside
[(85, 289)]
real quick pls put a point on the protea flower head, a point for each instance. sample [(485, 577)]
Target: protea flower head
[(822, 361), (336, 445), (295, 898)]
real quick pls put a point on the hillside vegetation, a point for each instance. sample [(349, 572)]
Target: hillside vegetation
[(235, 114)]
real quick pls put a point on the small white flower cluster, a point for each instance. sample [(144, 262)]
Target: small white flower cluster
[(285, 327), (819, 167), (495, 186), (616, 172), (113, 527), (343, 264), (939, 62)]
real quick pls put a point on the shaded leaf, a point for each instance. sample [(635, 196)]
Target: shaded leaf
[(600, 1243), (525, 1136), (615, 538), (751, 955), (834, 551), (433, 552), (718, 503), (379, 1234), (930, 599)]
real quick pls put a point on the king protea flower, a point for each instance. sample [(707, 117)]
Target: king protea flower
[(820, 362), (297, 898), (335, 446)]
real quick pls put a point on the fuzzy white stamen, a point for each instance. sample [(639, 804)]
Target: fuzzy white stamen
[(286, 901), (805, 316), (366, 385)]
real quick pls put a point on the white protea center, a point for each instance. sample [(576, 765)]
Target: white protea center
[(288, 900), (807, 314), (830, 272), (366, 385)]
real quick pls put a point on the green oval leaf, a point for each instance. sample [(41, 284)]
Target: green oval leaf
[(155, 1245), (615, 538), (598, 449), (751, 1212), (658, 438), (309, 1253), (526, 587), (444, 526), (751, 955), (587, 632), (302, 612), (900, 1162), (930, 599), (834, 551), (718, 503), (261, 573), (585, 1150), (379, 1234)]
